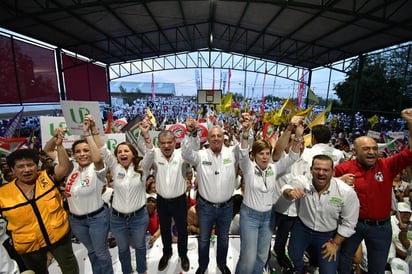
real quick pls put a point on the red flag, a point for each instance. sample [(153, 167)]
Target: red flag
[(109, 122), (153, 89), (262, 106), (301, 88), (213, 81), (228, 83)]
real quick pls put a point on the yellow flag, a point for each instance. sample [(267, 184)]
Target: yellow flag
[(307, 139), (151, 116), (304, 112), (247, 105), (328, 109), (333, 122), (373, 120), (320, 120), (226, 102)]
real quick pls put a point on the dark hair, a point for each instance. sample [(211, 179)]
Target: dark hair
[(79, 141), (136, 159), (28, 154), (322, 157), (321, 133)]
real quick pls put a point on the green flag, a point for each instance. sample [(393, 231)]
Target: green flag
[(312, 96)]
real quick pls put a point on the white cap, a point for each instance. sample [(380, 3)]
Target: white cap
[(404, 207), (151, 195)]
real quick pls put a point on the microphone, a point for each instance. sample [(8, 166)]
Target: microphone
[(216, 172)]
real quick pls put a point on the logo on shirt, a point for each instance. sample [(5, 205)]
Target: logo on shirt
[(206, 163), (120, 175), (227, 161), (335, 201), (379, 176)]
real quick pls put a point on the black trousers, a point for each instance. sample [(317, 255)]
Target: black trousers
[(175, 208)]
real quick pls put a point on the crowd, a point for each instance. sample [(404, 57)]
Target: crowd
[(338, 201)]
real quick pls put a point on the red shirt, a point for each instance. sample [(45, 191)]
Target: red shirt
[(153, 224), (374, 186)]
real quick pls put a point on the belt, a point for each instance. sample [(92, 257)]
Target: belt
[(217, 205), (88, 215), (374, 222), (172, 199), (126, 215)]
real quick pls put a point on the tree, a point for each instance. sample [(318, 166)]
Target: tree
[(382, 84)]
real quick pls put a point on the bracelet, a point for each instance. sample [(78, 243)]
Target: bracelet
[(87, 135), (298, 139), (96, 133), (332, 241)]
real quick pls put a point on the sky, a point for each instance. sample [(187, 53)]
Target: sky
[(185, 83)]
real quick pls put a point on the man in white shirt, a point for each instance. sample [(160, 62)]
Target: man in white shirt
[(216, 170), (327, 214), (171, 192), (320, 137)]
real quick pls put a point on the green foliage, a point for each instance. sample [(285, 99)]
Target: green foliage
[(382, 86)]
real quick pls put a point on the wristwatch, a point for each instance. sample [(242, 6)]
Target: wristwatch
[(299, 139)]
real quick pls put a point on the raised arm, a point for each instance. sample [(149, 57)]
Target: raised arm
[(89, 126), (246, 121), (407, 116), (62, 168)]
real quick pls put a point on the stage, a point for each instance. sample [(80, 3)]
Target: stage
[(155, 253)]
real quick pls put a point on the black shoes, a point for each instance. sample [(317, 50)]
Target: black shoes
[(164, 261), (184, 261), (199, 271), (224, 269)]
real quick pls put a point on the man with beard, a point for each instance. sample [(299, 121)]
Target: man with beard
[(327, 211)]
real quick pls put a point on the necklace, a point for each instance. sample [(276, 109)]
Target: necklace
[(29, 194)]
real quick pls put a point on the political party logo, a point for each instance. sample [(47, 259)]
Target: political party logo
[(179, 131)]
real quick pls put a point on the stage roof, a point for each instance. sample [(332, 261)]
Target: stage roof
[(306, 33)]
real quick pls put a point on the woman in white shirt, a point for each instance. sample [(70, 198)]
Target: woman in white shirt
[(255, 213), (89, 218), (129, 217)]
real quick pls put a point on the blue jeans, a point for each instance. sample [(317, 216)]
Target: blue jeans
[(210, 216), (377, 239), (128, 232), (303, 238), (255, 237), (92, 232)]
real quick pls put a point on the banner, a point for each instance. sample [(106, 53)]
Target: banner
[(74, 112), (47, 126)]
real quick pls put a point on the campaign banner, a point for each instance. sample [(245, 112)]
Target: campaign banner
[(74, 112)]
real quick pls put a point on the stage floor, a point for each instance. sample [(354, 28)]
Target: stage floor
[(155, 253)]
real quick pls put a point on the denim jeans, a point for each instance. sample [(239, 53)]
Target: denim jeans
[(176, 209), (128, 232), (63, 253), (303, 238), (377, 239), (210, 216), (284, 224), (92, 232), (255, 237)]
